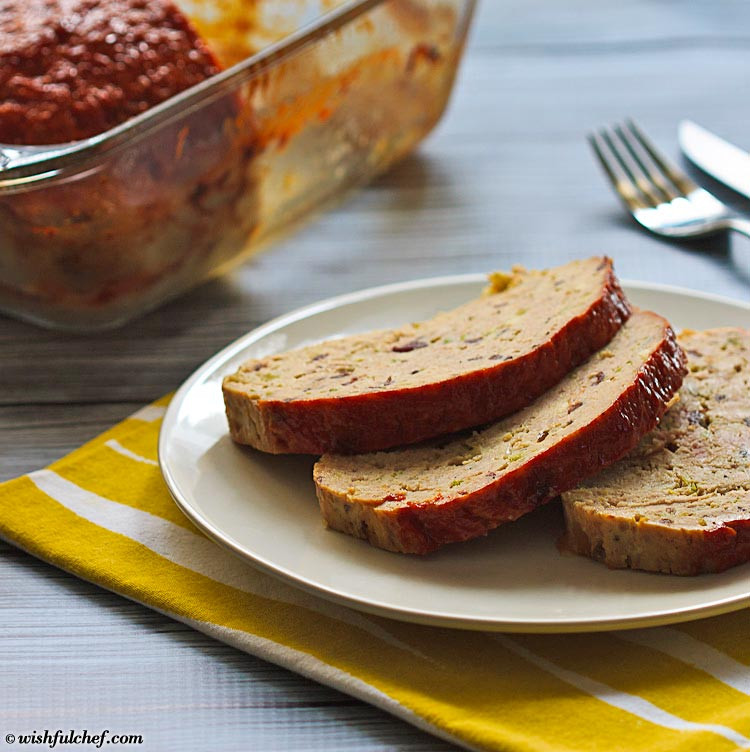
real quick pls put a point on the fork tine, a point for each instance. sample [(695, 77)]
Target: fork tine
[(623, 184), (653, 172), (647, 189), (678, 178), (653, 195)]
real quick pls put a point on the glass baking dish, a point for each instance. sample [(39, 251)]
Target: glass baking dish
[(318, 97)]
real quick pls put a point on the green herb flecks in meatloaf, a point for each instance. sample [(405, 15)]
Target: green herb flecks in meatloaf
[(460, 369), (680, 503), (416, 499)]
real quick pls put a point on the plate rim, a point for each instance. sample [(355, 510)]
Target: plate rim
[(419, 616)]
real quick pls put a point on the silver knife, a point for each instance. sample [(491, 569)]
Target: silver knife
[(718, 158)]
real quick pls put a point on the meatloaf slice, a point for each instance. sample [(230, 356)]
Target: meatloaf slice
[(70, 69), (417, 499), (461, 368), (680, 503)]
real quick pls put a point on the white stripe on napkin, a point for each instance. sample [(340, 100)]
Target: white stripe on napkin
[(149, 413), (687, 649), (120, 449), (623, 700), (313, 668), (198, 554)]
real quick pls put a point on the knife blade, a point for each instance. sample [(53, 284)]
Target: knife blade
[(718, 158)]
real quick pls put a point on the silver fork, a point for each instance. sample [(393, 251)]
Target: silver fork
[(659, 195)]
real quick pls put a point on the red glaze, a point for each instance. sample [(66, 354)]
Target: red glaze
[(70, 69), (381, 420), (422, 528), (705, 551), (725, 547)]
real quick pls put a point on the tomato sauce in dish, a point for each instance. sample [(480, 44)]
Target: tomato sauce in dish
[(70, 69)]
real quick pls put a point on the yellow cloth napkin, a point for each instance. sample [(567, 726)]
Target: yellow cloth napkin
[(104, 514)]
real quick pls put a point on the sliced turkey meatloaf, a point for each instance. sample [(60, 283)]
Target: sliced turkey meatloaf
[(417, 499), (462, 368), (680, 503)]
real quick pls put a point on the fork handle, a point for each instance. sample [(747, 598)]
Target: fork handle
[(741, 225)]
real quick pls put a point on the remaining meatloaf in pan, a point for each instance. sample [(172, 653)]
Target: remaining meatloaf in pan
[(462, 368), (680, 503), (417, 499), (70, 69)]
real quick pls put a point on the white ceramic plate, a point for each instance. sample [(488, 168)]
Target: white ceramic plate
[(264, 509)]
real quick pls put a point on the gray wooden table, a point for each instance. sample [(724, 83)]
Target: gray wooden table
[(506, 178)]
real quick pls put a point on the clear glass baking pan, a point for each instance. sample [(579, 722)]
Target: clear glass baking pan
[(318, 97)]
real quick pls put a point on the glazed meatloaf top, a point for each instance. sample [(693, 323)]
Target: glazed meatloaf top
[(680, 503), (417, 499), (461, 368), (70, 69)]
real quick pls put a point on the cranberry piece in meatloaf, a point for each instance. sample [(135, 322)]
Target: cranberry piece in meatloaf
[(680, 503), (459, 369), (70, 69), (417, 499)]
